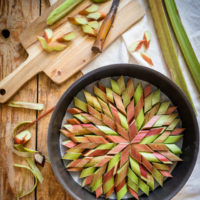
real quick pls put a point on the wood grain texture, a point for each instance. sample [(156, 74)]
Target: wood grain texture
[(60, 66), (15, 16), (49, 94)]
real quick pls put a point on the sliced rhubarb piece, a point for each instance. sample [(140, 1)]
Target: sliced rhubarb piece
[(142, 148), (170, 110), (155, 97), (80, 104), (150, 157), (135, 46), (68, 143), (170, 156), (138, 138), (174, 148), (99, 93), (94, 112), (130, 87), (123, 121), (173, 125), (173, 139), (161, 166), (107, 130), (158, 147), (71, 156), (149, 139), (121, 84), (109, 95), (162, 137), (177, 131), (87, 180), (78, 20), (162, 158), (148, 103), (119, 103), (147, 90), (22, 137), (67, 37), (147, 58), (133, 176), (105, 108), (98, 16), (74, 111), (163, 108), (88, 30), (94, 24), (151, 113), (125, 98), (124, 156), (76, 129), (87, 172), (158, 176), (115, 87), (48, 34), (144, 187), (135, 166), (165, 173), (89, 9), (73, 121), (81, 118), (147, 39), (118, 148), (115, 114), (132, 130), (130, 111), (96, 139)]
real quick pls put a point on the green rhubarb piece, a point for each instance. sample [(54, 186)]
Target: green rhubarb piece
[(132, 185), (81, 118), (97, 106), (149, 156), (121, 84), (148, 103), (105, 108), (173, 139), (155, 97), (123, 120), (109, 95), (140, 120), (126, 98), (71, 156), (184, 42), (88, 98), (163, 108), (115, 87), (132, 176), (173, 125), (28, 105), (95, 160), (161, 166), (94, 24), (80, 104), (107, 130), (161, 121), (94, 16), (144, 187), (122, 192), (158, 176), (114, 163), (62, 10), (171, 118), (149, 139), (106, 146), (97, 184), (135, 166), (167, 44), (106, 186), (99, 93), (174, 148), (87, 171), (138, 93), (150, 181)]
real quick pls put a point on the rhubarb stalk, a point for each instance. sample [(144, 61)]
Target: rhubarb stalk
[(105, 28), (183, 40), (167, 45)]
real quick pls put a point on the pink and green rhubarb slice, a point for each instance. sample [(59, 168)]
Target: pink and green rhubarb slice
[(122, 138)]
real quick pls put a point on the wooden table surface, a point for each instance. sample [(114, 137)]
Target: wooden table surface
[(15, 15)]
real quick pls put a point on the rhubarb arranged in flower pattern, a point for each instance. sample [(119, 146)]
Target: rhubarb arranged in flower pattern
[(122, 138)]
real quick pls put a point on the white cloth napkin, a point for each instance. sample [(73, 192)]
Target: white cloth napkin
[(117, 53)]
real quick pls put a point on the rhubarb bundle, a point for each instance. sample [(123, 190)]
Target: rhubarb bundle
[(121, 139)]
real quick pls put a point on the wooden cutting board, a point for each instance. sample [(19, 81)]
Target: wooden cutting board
[(59, 66)]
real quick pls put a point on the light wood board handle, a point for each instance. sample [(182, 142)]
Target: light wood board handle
[(16, 79)]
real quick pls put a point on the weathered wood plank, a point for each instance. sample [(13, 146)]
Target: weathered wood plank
[(15, 16), (49, 94)]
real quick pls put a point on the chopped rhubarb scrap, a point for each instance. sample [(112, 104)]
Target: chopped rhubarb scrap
[(147, 39), (48, 34), (147, 58), (136, 46)]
